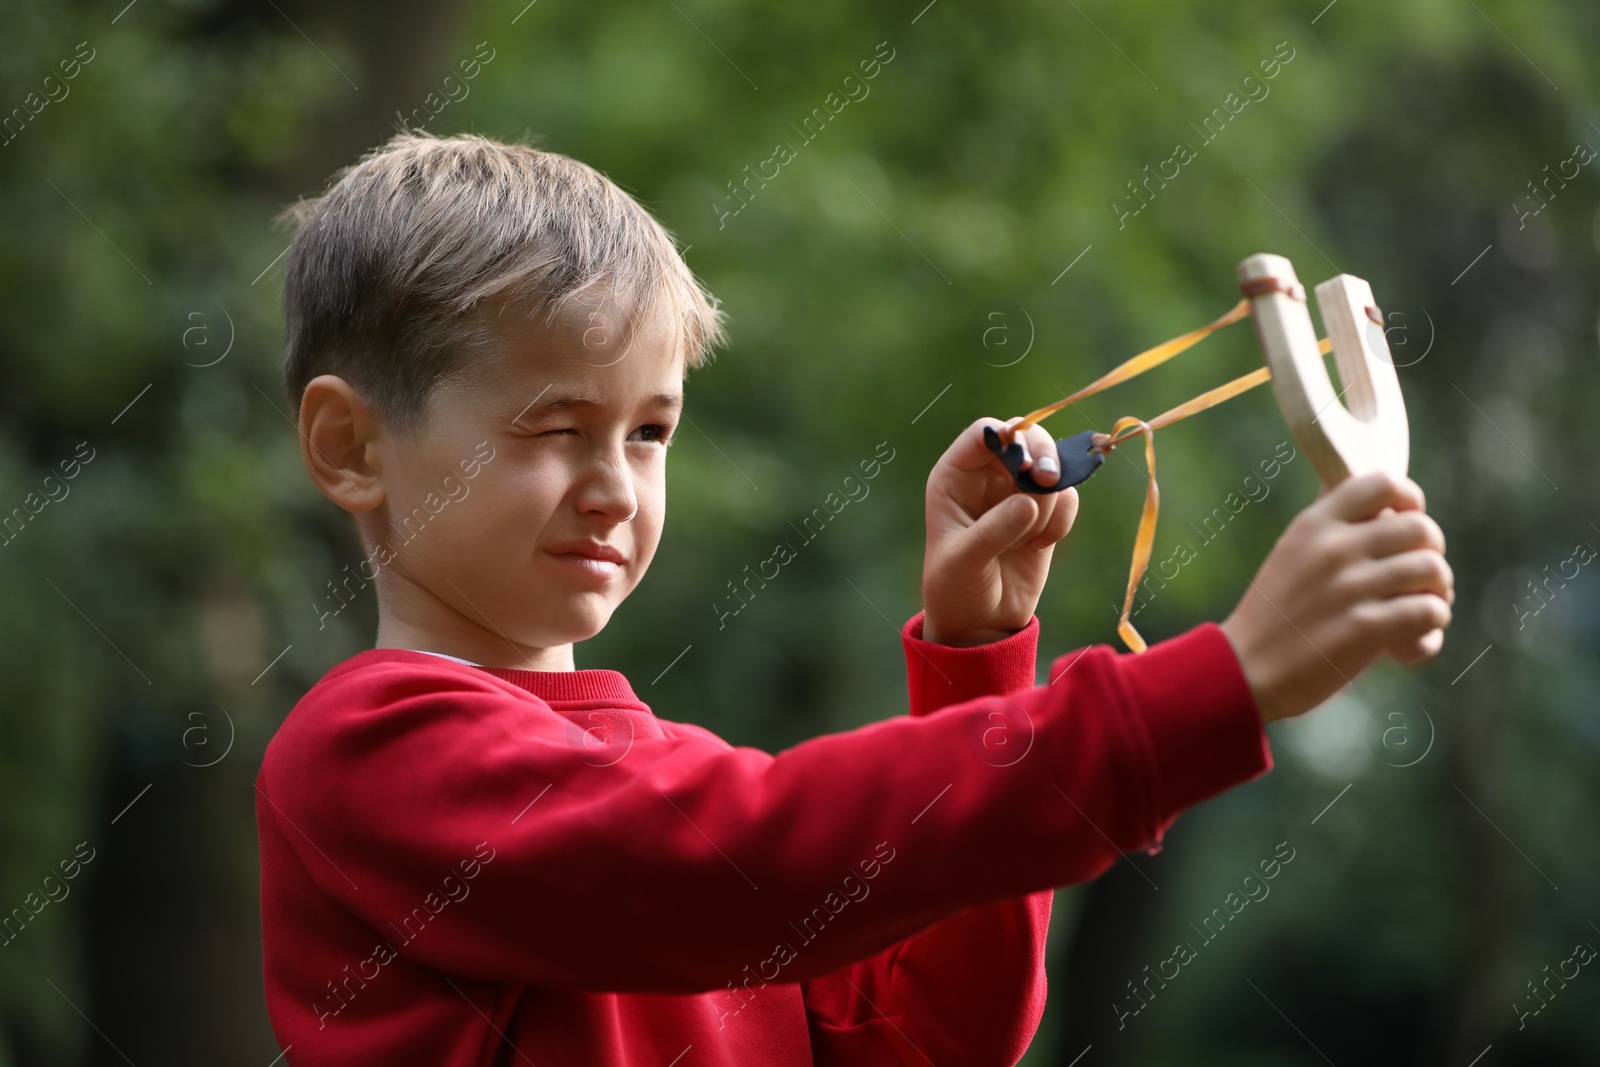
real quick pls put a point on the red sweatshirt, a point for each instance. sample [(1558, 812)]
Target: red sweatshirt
[(470, 866)]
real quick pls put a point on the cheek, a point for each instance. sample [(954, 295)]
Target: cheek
[(511, 520), (502, 514), (647, 524)]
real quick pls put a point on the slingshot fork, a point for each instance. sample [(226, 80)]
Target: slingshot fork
[(1367, 430)]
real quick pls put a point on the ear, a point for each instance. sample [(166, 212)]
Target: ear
[(338, 444)]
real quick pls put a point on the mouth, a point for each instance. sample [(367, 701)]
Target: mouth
[(589, 558)]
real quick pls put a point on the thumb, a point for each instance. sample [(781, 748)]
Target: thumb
[(997, 530)]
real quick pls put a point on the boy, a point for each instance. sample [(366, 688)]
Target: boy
[(474, 854)]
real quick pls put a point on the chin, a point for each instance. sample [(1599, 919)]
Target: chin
[(580, 622)]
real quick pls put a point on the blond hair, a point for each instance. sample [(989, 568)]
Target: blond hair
[(391, 266)]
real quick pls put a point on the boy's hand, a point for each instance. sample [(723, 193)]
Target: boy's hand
[(1359, 572), (989, 544)]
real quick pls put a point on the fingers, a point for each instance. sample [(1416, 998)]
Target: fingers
[(1039, 452), (969, 453), (997, 531), (1060, 519), (1425, 647), (1366, 495), (1397, 531), (1418, 571), (1402, 621)]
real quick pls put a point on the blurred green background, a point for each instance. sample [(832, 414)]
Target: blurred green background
[(904, 273)]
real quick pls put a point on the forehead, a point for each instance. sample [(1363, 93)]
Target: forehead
[(597, 350)]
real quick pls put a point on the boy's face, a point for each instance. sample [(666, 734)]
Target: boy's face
[(564, 433)]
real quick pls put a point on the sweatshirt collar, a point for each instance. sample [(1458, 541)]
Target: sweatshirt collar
[(553, 687), (557, 686)]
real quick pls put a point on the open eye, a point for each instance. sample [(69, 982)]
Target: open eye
[(653, 431)]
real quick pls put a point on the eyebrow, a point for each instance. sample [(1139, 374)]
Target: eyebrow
[(567, 401)]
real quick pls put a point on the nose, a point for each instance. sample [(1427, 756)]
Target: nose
[(606, 485)]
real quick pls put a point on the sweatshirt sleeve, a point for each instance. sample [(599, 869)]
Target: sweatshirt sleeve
[(969, 990), (686, 865)]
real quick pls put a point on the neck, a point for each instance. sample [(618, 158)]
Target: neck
[(411, 617)]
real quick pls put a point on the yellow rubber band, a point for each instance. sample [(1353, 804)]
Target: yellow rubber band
[(1150, 357)]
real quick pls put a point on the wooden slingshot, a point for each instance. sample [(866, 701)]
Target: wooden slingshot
[(1361, 429)]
